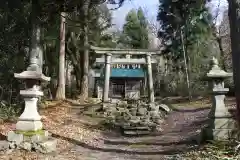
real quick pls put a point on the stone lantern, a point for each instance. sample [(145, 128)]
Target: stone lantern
[(29, 133), (221, 122)]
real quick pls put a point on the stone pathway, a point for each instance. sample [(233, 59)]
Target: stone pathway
[(179, 134)]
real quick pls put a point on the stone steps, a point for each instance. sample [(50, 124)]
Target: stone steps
[(135, 131), (149, 140)]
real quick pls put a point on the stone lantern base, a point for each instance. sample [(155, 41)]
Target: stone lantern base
[(220, 128), (32, 141)]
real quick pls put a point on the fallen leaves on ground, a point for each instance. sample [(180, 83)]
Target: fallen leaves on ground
[(53, 119)]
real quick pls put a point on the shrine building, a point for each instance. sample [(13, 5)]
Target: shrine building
[(126, 81)]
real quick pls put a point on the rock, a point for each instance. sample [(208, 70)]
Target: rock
[(12, 145), (158, 121), (134, 120), (46, 146), (158, 129), (13, 137), (26, 145), (154, 114), (164, 107), (133, 111), (4, 145), (121, 109), (153, 107), (142, 111)]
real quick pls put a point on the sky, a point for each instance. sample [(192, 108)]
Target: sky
[(150, 8)]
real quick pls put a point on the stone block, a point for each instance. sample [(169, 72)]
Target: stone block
[(4, 145), (136, 132), (223, 123), (142, 111), (40, 137), (37, 138), (14, 137), (220, 128), (29, 125), (218, 134), (46, 134), (26, 145), (27, 138), (47, 146)]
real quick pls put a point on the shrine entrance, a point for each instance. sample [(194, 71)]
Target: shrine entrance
[(126, 88), (124, 77), (117, 88)]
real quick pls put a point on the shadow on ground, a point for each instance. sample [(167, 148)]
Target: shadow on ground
[(95, 148), (180, 134)]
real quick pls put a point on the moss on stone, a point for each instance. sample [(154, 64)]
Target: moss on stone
[(30, 133)]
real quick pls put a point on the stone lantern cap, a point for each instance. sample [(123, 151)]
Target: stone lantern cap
[(32, 75), (216, 71)]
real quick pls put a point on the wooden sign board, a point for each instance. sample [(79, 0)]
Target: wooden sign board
[(127, 66)]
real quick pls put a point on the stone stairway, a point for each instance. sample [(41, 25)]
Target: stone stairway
[(181, 132)]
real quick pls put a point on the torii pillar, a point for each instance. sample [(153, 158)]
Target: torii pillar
[(150, 79), (107, 77)]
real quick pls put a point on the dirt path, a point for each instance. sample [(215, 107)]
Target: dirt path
[(179, 132)]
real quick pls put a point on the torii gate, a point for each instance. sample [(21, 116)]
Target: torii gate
[(108, 60)]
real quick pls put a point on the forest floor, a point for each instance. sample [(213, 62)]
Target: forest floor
[(81, 135)]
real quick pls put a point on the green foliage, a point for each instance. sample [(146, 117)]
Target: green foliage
[(187, 24), (135, 32), (192, 17), (9, 111), (15, 30)]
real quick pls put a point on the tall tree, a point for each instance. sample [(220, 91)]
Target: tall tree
[(61, 70), (98, 21), (191, 17), (85, 59), (234, 21), (185, 30), (135, 31), (47, 9)]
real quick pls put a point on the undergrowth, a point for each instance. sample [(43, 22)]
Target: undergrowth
[(10, 111), (216, 150)]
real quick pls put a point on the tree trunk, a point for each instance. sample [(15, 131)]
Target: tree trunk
[(60, 95), (68, 77), (186, 67), (219, 41), (36, 50), (77, 74), (234, 21), (84, 84)]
